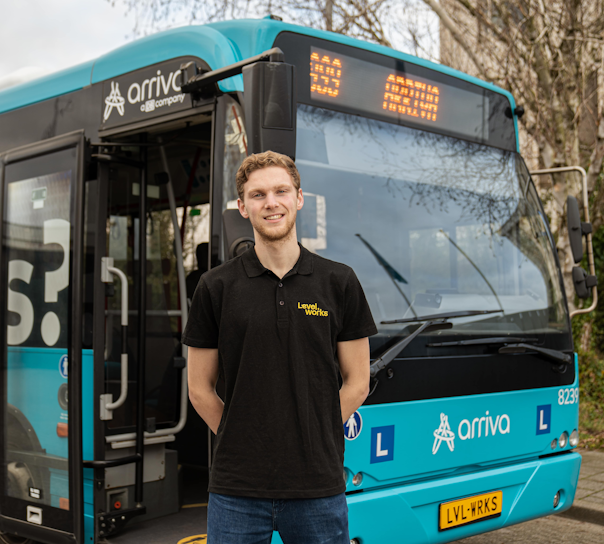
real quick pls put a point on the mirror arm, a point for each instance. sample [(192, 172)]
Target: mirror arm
[(589, 244), (194, 83)]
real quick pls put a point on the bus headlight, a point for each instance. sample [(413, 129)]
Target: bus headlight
[(554, 444), (556, 499), (357, 479), (563, 440), (574, 438)]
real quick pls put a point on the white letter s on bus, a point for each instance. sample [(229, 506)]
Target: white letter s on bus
[(19, 303)]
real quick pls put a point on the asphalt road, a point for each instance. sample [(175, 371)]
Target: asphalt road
[(552, 529)]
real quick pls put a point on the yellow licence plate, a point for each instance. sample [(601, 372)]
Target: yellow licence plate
[(468, 510)]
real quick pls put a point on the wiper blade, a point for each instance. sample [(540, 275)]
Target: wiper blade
[(430, 323), (483, 341), (555, 356), (389, 355), (512, 345), (446, 315)]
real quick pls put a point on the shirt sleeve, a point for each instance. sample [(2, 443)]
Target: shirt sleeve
[(357, 321), (202, 327)]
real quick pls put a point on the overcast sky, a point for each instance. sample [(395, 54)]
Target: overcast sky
[(56, 34)]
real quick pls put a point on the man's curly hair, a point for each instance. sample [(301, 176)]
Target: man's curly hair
[(258, 161)]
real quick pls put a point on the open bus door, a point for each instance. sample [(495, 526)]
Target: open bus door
[(140, 364), (41, 224), (154, 196)]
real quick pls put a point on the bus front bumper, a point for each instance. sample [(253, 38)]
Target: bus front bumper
[(410, 513)]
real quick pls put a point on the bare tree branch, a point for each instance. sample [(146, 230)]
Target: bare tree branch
[(453, 29)]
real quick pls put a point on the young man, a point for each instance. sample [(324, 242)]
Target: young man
[(281, 325)]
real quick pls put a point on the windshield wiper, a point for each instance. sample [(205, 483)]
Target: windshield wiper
[(554, 356), (513, 344), (446, 315), (483, 341), (389, 355), (431, 323)]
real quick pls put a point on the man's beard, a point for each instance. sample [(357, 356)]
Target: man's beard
[(280, 234)]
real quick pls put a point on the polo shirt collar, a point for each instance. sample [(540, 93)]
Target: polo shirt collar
[(253, 266), (305, 262)]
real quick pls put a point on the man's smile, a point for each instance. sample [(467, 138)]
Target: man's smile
[(274, 217)]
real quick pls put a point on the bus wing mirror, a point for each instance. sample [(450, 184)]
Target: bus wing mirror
[(576, 229), (238, 234), (270, 107), (583, 282)]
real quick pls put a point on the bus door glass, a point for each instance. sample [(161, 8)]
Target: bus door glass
[(122, 246), (160, 288), (42, 355)]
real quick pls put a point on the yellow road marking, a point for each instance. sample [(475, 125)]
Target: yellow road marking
[(197, 505), (195, 539)]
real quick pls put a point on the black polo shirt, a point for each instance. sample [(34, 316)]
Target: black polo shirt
[(281, 433)]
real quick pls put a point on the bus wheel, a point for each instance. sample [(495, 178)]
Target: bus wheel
[(7, 538), (19, 480)]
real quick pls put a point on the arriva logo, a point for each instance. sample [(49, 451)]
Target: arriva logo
[(114, 100), (474, 429), (480, 427), (443, 434), (153, 93), (155, 86)]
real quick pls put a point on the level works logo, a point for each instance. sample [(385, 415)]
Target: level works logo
[(479, 427), (312, 309), (114, 100)]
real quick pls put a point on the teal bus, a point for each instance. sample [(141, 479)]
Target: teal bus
[(118, 192)]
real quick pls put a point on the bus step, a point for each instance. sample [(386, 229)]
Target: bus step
[(110, 523)]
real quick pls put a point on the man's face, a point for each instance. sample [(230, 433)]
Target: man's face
[(271, 202)]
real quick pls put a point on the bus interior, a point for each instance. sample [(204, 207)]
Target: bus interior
[(171, 159)]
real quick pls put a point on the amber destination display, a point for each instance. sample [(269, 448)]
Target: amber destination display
[(352, 83)]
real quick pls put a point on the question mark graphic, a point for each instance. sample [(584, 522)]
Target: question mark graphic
[(56, 231)]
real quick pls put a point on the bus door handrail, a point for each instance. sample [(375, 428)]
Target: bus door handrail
[(109, 463), (184, 314), (150, 313), (107, 273), (589, 244)]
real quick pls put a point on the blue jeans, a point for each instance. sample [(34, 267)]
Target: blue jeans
[(242, 520)]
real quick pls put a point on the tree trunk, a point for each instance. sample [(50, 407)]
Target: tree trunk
[(328, 14)]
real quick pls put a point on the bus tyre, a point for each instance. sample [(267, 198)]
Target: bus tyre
[(7, 538), (19, 480)]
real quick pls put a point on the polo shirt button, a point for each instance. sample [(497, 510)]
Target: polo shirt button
[(280, 285), (281, 302)]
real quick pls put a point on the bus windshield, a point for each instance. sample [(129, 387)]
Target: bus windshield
[(431, 224)]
